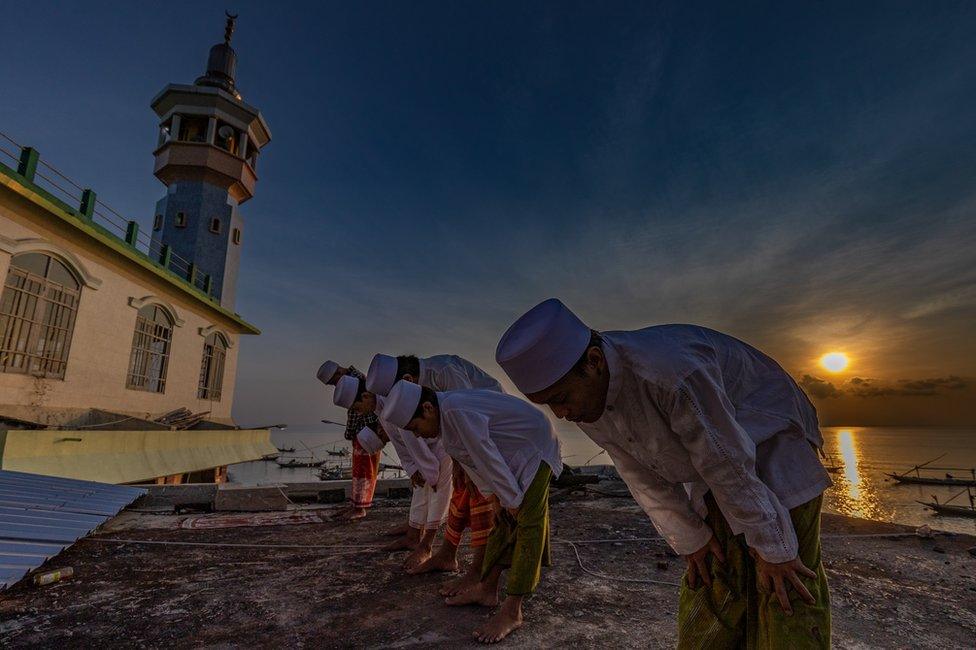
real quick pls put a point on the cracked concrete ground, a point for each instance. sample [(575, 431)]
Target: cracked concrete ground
[(886, 592)]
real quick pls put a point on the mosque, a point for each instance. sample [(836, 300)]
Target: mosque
[(118, 347)]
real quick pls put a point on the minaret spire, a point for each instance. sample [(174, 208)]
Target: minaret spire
[(229, 28)]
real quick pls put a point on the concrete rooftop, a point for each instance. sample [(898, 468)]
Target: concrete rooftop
[(887, 592)]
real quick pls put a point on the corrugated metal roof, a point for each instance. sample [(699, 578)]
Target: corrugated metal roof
[(42, 515)]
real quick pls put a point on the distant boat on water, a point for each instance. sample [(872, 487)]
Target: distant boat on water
[(299, 462), (918, 479), (951, 510), (949, 480)]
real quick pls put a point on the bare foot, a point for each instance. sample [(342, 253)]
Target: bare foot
[(357, 513), (445, 559), (480, 594), (499, 626), (416, 557), (341, 513), (437, 563), (398, 531), (399, 544), (465, 582)]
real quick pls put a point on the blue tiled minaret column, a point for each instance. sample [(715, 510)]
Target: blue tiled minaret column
[(207, 155)]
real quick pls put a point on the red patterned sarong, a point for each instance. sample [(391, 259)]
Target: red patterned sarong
[(364, 469), (469, 509)]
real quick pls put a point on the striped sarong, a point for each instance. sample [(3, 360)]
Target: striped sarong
[(364, 470), (469, 510)]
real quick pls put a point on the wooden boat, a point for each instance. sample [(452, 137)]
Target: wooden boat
[(286, 450), (297, 462), (950, 480), (336, 473), (950, 510), (270, 457), (917, 478)]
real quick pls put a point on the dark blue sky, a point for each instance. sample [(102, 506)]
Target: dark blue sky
[(801, 177)]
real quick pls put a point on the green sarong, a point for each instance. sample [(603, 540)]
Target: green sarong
[(522, 544), (735, 613)]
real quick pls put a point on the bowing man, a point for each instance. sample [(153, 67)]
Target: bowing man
[(469, 508), (509, 450), (426, 462), (680, 404), (365, 466)]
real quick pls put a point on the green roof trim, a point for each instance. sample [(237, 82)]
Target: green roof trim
[(75, 219)]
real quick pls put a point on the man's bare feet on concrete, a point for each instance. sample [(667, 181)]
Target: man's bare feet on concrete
[(480, 594), (397, 531), (506, 620), (341, 513), (465, 582), (444, 559), (416, 557), (356, 513)]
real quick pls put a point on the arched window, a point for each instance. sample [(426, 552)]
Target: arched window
[(37, 315), (212, 368), (151, 343)]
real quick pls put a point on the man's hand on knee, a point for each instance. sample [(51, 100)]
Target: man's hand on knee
[(698, 562), (774, 578)]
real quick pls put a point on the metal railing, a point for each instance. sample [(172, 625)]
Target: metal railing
[(89, 207)]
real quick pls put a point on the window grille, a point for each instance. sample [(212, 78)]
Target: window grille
[(212, 368), (38, 307), (151, 344)]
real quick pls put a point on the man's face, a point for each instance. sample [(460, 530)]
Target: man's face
[(579, 397), (428, 425)]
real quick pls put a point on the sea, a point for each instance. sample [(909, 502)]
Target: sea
[(861, 487)]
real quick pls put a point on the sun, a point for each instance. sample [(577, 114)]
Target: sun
[(834, 361)]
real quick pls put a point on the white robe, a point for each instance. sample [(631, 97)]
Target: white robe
[(451, 372), (500, 441), (688, 405), (416, 454)]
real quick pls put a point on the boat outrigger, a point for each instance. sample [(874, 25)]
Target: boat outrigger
[(300, 462), (949, 480), (918, 478), (951, 510)]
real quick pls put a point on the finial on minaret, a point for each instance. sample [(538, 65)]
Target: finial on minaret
[(222, 63), (229, 29)]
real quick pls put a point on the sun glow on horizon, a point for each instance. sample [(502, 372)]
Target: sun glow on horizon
[(834, 361)]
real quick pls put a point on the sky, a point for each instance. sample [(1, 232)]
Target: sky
[(800, 177)]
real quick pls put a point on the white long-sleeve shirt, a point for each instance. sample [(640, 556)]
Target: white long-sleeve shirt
[(689, 405), (451, 372), (500, 441), (415, 454)]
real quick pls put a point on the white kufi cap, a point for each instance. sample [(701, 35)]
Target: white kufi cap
[(326, 370), (345, 391), (371, 442), (382, 374), (402, 403), (542, 346)]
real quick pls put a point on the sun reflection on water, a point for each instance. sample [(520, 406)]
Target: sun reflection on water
[(856, 495)]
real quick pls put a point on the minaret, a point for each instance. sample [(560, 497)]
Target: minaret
[(207, 154)]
